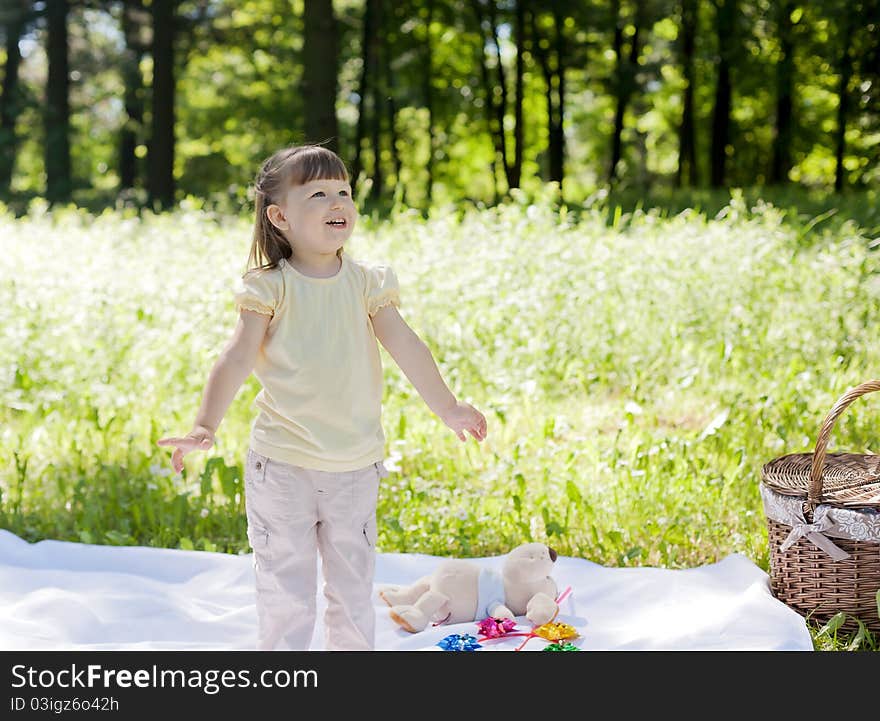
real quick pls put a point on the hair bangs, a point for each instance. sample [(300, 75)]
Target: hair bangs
[(315, 163)]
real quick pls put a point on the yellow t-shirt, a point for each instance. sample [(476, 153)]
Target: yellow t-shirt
[(319, 364)]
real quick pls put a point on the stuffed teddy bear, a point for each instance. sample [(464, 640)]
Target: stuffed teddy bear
[(459, 591)]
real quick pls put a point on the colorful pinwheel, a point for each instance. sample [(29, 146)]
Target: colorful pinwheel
[(459, 642)]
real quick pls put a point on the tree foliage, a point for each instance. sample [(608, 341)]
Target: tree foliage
[(462, 98)]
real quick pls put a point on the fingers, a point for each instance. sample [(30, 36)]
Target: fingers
[(177, 459), (478, 433), (482, 427), (188, 442), (473, 422), (478, 429), (182, 447), (482, 421)]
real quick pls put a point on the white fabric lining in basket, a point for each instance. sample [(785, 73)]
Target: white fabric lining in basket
[(858, 525)]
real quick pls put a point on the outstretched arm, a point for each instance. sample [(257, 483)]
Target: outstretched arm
[(231, 370), (415, 360)]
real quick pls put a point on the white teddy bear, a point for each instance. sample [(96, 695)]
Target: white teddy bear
[(459, 591)]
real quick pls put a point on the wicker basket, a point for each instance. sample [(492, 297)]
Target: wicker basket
[(823, 518)]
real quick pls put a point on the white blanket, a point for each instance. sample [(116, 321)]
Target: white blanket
[(70, 596)]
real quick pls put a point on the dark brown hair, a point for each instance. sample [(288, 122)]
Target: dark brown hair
[(294, 165)]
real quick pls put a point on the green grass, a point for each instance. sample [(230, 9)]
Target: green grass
[(636, 370), (831, 636)]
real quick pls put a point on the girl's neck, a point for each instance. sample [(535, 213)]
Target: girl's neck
[(317, 267)]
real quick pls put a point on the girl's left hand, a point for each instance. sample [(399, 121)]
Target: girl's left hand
[(464, 417)]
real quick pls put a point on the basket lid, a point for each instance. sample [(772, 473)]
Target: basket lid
[(848, 479)]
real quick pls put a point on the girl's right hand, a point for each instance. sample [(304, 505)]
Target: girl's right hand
[(198, 439)]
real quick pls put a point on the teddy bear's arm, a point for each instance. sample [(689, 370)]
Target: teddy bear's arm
[(541, 609), (500, 611)]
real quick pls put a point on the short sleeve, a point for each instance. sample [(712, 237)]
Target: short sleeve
[(382, 288), (257, 291)]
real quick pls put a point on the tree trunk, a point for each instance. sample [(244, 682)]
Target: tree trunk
[(870, 100), (519, 33), (376, 129), (557, 137), (626, 70), (367, 65), (133, 21), (781, 161), (319, 73), (500, 108), (496, 134), (429, 103), (391, 110), (161, 151), (687, 171), (845, 72), (554, 82), (11, 101), (542, 54), (725, 13), (57, 118), (617, 48), (390, 103)]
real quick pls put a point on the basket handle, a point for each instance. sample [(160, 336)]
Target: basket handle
[(814, 490)]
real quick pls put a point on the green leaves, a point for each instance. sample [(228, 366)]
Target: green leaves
[(831, 634), (228, 478), (833, 625), (551, 526)]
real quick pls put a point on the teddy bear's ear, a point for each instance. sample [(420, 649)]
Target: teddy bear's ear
[(552, 554)]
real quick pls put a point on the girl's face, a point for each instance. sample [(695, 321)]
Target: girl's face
[(318, 217)]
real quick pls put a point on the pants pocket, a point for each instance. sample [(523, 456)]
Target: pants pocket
[(370, 531), (364, 493), (255, 468), (258, 537)]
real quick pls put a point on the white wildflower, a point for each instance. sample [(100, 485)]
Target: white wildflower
[(634, 408)]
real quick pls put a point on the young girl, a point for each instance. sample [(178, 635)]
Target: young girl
[(309, 317)]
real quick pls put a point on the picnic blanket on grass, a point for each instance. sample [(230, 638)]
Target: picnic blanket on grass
[(72, 596)]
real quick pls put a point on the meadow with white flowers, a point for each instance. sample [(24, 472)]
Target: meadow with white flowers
[(636, 370)]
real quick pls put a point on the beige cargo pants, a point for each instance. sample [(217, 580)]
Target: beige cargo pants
[(293, 513)]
